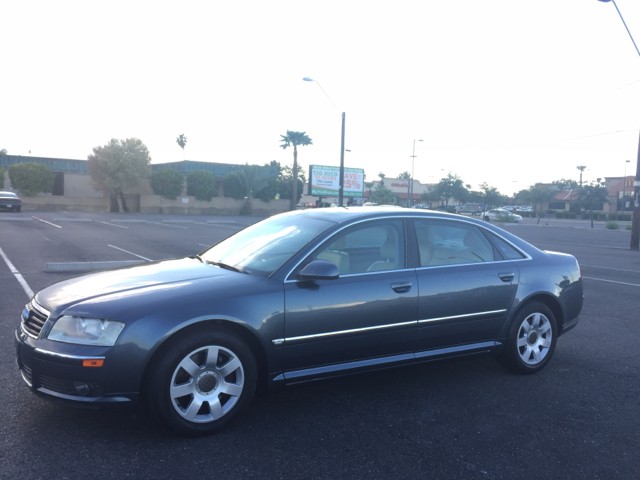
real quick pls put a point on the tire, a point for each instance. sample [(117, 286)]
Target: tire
[(487, 219), (202, 382), (531, 340)]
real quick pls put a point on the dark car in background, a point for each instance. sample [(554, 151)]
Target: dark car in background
[(10, 201), (299, 296)]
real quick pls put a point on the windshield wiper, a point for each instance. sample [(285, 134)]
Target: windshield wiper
[(225, 266)]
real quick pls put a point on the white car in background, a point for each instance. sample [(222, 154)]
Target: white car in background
[(501, 215)]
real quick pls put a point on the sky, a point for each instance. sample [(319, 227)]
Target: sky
[(507, 92)]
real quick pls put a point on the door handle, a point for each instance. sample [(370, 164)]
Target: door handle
[(401, 287), (507, 277)]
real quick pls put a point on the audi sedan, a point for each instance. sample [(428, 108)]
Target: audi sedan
[(10, 201), (300, 296)]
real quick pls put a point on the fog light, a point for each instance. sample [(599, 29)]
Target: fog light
[(83, 389)]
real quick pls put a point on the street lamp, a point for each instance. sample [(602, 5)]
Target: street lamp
[(635, 221), (410, 188), (341, 175)]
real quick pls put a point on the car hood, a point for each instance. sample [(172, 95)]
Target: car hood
[(123, 282)]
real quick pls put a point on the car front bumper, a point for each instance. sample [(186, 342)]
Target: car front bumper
[(67, 378)]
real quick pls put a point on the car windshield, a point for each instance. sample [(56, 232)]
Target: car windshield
[(8, 194), (265, 246)]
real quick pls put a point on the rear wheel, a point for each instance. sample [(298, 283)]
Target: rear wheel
[(202, 383), (532, 339)]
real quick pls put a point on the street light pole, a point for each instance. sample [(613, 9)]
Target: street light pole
[(635, 220), (341, 174), (410, 187), (624, 186), (341, 177)]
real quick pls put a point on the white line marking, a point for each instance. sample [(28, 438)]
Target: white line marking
[(613, 281), (167, 225), (111, 224), (610, 268), (23, 283), (48, 223), (130, 253)]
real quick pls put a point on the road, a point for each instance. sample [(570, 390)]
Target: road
[(577, 419)]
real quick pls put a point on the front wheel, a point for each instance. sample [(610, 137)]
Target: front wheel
[(202, 382), (532, 339)]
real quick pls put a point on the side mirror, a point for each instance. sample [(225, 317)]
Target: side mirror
[(319, 270)]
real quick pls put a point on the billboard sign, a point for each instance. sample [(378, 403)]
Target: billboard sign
[(325, 181)]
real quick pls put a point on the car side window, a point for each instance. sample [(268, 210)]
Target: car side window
[(449, 243), (506, 250), (368, 247)]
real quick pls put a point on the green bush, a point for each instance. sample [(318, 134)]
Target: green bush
[(167, 182), (31, 178), (611, 225), (620, 216), (201, 185)]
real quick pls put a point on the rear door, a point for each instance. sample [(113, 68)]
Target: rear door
[(466, 285)]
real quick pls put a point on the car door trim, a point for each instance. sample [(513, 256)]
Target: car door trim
[(465, 315), (280, 341)]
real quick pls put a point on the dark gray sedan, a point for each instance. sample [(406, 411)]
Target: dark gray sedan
[(299, 296), (10, 201)]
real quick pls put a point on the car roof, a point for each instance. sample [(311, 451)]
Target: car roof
[(348, 214), (9, 194)]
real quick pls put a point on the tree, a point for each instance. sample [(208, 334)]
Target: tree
[(247, 182), (119, 167), (490, 196), (182, 142), (31, 178), (404, 176), (565, 184), (538, 195), (167, 182), (382, 195), (294, 139), (201, 185), (592, 197), (3, 152), (451, 187), (582, 168), (283, 183)]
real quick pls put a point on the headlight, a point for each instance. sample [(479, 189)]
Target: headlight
[(86, 331)]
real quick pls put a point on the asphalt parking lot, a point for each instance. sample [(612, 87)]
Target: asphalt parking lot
[(577, 419)]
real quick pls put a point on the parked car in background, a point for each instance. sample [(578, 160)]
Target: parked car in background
[(299, 296), (501, 215), (469, 208), (10, 201)]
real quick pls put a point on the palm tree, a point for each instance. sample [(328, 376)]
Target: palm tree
[(582, 168), (252, 179), (182, 142), (295, 139)]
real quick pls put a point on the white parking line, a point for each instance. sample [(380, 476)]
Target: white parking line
[(111, 224), (23, 283), (166, 225), (613, 281), (610, 268), (44, 221), (131, 253)]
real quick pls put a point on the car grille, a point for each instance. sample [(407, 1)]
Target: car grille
[(33, 319)]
